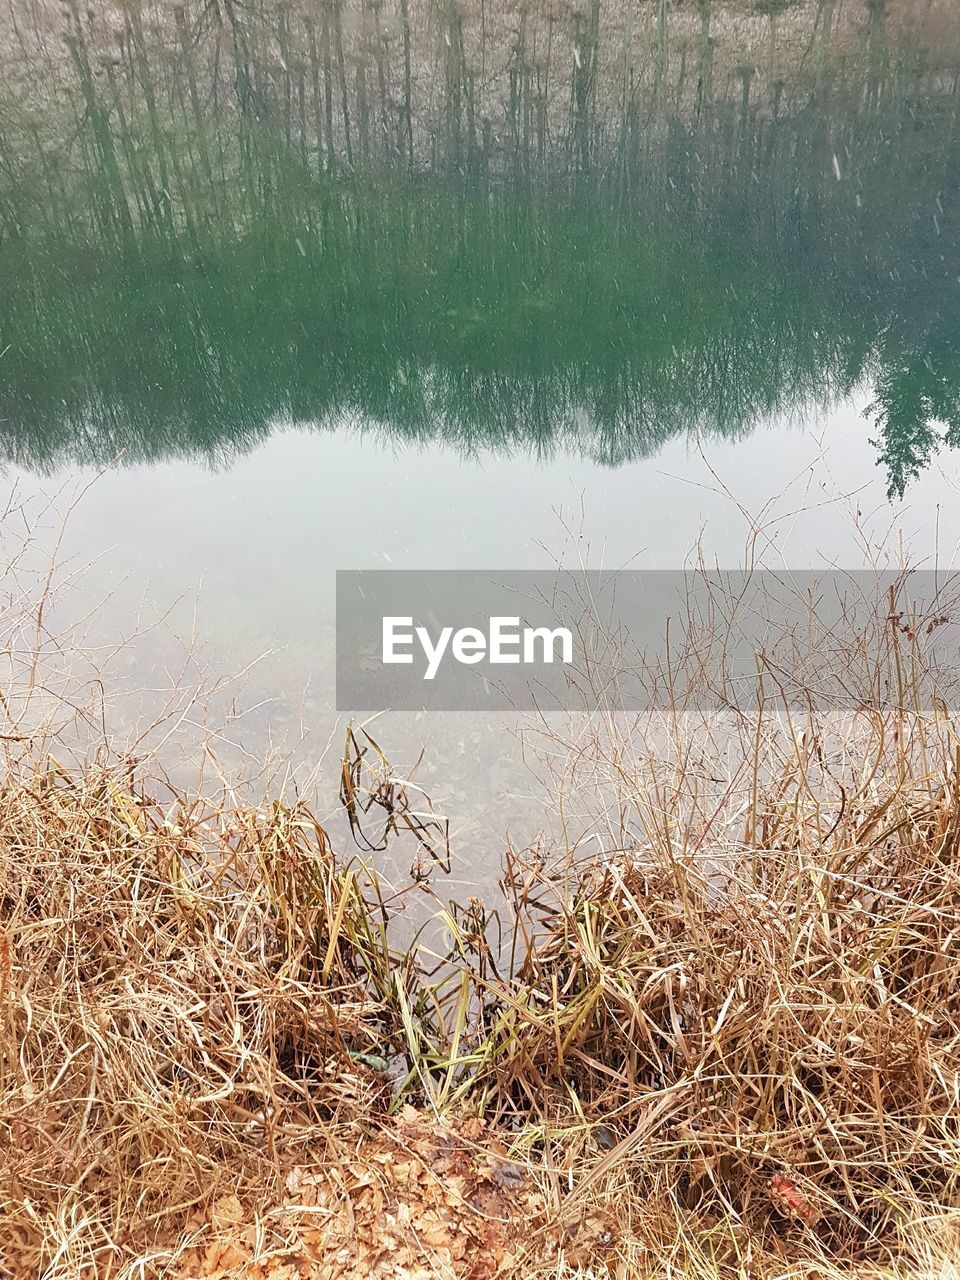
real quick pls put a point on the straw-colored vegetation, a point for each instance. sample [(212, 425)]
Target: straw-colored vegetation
[(729, 1048)]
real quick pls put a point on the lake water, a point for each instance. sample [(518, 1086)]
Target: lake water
[(368, 286)]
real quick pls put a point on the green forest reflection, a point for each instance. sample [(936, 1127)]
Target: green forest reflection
[(200, 272)]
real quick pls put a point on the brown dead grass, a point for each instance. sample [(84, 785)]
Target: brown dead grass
[(190, 998), (186, 999), (728, 1048)]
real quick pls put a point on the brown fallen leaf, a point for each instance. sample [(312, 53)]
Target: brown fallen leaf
[(508, 1176)]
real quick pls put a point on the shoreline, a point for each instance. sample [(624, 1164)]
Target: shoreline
[(733, 1039)]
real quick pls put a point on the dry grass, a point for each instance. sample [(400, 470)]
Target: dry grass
[(174, 1011), (727, 1045), (190, 999)]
